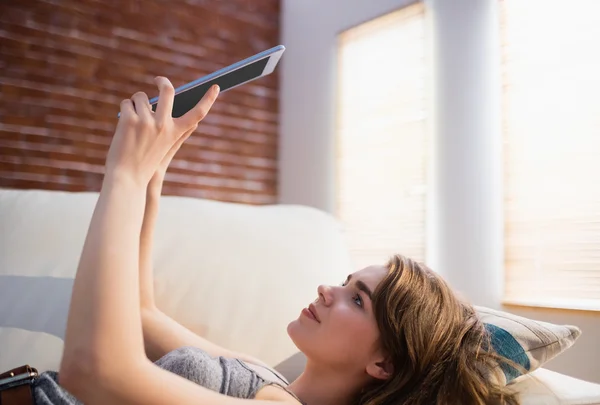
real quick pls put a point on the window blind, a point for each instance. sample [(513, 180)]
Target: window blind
[(551, 129), (381, 137)]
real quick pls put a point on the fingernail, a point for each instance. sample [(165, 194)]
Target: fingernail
[(216, 88)]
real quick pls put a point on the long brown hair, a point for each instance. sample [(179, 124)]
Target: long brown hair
[(439, 349)]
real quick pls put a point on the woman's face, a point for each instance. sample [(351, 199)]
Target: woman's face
[(338, 330)]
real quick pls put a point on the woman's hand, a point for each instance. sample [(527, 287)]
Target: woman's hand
[(156, 182), (145, 141)]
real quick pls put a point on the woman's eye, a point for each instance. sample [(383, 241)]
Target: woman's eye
[(358, 300)]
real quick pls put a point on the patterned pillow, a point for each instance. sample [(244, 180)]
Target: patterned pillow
[(526, 342)]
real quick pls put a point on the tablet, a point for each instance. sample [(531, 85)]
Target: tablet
[(247, 70)]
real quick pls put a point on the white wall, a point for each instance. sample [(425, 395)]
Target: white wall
[(309, 29), (465, 197)]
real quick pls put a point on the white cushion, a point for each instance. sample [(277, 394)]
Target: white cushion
[(21, 347), (545, 387), (238, 273)]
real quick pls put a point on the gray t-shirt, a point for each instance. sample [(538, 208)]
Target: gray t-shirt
[(230, 377)]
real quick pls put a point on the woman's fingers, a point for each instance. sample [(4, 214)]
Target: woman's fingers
[(166, 93), (197, 114), (142, 105), (127, 110)]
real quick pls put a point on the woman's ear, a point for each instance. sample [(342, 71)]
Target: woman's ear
[(380, 370)]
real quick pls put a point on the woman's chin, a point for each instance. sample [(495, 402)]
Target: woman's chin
[(292, 326), (297, 332)]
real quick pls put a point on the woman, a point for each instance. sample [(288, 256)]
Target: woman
[(389, 334)]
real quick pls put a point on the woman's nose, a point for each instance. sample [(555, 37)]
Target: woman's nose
[(325, 294)]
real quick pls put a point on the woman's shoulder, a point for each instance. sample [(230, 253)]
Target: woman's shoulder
[(276, 385), (278, 393), (263, 370)]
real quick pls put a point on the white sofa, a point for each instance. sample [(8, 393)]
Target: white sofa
[(236, 274)]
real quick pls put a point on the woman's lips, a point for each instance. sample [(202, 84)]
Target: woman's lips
[(311, 312)]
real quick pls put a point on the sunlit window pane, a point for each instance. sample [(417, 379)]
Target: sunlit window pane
[(551, 88)]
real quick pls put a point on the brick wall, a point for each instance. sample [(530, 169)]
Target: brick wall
[(65, 65)]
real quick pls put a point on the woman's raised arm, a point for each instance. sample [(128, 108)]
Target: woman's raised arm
[(103, 359)]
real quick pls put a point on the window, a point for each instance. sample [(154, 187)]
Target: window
[(551, 129), (381, 136)]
